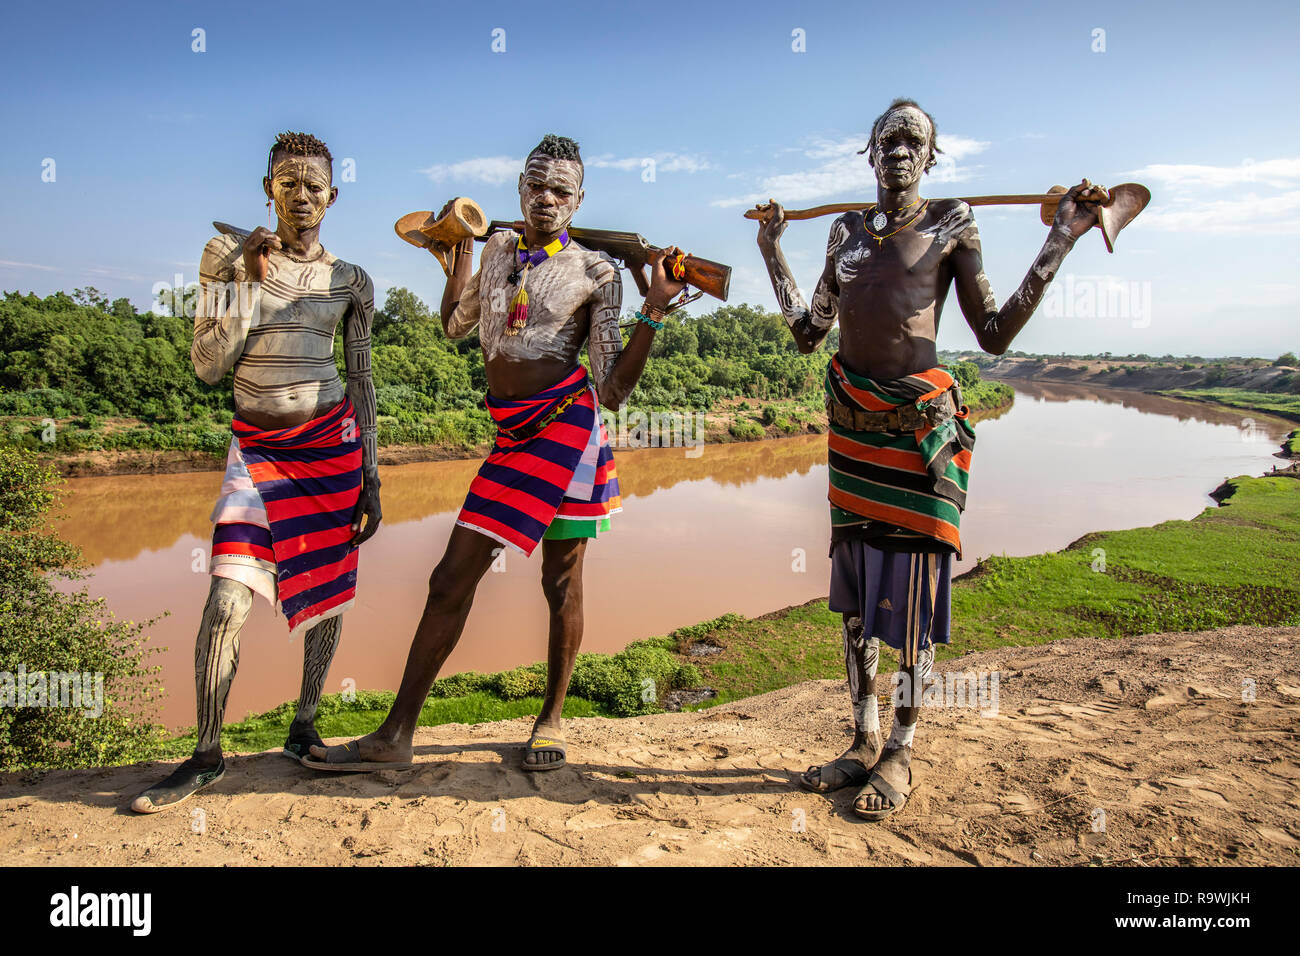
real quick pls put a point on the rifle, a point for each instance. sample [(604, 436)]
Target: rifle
[(634, 252)]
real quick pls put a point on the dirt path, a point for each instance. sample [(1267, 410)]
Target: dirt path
[(1151, 730)]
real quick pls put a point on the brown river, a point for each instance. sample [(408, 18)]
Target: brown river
[(741, 527)]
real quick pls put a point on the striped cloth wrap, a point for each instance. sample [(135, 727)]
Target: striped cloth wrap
[(913, 480), (531, 477), (308, 478)]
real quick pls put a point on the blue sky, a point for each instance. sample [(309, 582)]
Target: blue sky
[(151, 140)]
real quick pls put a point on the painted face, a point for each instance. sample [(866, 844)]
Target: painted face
[(901, 148), (300, 186), (550, 192)]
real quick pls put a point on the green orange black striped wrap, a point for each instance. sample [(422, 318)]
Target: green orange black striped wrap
[(915, 480)]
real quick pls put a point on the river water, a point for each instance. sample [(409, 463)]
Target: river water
[(741, 527)]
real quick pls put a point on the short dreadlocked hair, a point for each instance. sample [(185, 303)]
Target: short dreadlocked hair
[(559, 147), (298, 144), (897, 105)]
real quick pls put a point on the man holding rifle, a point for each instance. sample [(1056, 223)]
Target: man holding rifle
[(900, 445), (550, 479)]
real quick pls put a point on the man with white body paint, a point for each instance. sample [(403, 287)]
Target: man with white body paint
[(899, 443), (549, 481)]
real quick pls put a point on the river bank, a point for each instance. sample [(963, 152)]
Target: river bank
[(731, 420), (1257, 386)]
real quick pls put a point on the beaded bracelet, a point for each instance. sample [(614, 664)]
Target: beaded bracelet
[(649, 321)]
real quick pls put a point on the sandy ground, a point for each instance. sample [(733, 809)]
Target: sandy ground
[(1151, 731)]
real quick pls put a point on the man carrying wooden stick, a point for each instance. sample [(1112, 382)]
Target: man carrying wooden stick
[(900, 445), (550, 479), (301, 489)]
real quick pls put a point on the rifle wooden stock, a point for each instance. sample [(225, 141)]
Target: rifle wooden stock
[(632, 249)]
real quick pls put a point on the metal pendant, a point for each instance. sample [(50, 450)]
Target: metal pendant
[(879, 221)]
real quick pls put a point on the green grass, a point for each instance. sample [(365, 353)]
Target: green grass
[(603, 685), (1273, 403), (1292, 445), (338, 717)]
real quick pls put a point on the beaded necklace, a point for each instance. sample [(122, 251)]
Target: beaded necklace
[(518, 316)]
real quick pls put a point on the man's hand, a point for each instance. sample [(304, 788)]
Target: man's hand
[(1077, 212), (367, 508), (662, 285), (771, 226), (256, 249), (461, 252)]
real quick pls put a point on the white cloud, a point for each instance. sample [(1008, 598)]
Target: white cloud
[(842, 171), (1182, 203), (9, 264), (1278, 173), (493, 170), (664, 162), (1250, 214), (500, 170)]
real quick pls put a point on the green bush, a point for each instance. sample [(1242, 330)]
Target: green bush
[(634, 680), (743, 430), (458, 685), (45, 629), (519, 683)]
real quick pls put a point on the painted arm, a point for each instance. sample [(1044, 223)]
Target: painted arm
[(809, 326), (605, 341), (460, 297), (224, 311), (995, 328), (361, 389), (615, 368)]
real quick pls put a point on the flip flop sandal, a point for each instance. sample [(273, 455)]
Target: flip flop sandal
[(882, 787), (346, 758), (538, 744), (185, 781), (295, 748), (843, 772)]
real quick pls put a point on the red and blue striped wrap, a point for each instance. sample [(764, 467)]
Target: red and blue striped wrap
[(565, 470), (309, 478)]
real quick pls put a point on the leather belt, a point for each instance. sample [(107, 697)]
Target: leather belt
[(905, 418), (533, 428)]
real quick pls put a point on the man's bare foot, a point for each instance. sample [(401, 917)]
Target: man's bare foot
[(888, 787), (850, 768), (545, 749), (370, 752)]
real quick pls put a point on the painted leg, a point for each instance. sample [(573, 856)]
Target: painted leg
[(451, 593), (891, 780), (890, 783), (216, 658), (319, 647), (861, 661), (562, 585)]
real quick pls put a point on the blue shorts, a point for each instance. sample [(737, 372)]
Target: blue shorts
[(904, 598)]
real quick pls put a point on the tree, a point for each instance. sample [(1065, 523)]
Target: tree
[(1287, 358)]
